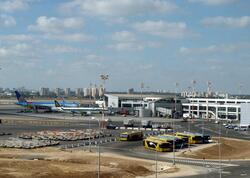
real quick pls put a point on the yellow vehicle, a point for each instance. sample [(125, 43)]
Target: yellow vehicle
[(180, 142), (131, 136), (156, 144), (193, 138)]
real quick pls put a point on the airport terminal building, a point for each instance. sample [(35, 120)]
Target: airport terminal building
[(157, 105), (146, 105), (214, 108)]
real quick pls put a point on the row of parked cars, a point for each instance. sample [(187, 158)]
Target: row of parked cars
[(236, 127)]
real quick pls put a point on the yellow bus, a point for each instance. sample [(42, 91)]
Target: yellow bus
[(156, 144), (131, 136), (193, 138), (180, 142)]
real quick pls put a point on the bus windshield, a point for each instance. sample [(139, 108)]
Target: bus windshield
[(164, 145), (197, 138), (124, 135)]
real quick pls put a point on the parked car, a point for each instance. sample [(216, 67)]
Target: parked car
[(111, 126)]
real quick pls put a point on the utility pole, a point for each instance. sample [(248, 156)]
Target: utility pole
[(103, 77), (175, 112), (156, 158)]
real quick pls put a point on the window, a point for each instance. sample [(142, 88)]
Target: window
[(221, 102), (221, 109), (126, 105), (231, 109), (212, 109), (202, 107)]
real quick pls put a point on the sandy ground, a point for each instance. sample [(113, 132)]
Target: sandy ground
[(231, 149), (55, 163)]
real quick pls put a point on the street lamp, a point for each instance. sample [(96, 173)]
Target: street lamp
[(156, 158), (103, 77), (175, 109)]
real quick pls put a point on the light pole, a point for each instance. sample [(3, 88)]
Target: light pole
[(103, 77), (156, 158), (175, 112), (220, 171), (142, 86)]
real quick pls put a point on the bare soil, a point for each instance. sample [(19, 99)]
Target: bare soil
[(230, 149), (54, 163)]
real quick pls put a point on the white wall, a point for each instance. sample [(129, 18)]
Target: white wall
[(245, 114)]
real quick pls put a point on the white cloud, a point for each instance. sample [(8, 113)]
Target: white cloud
[(213, 2), (16, 37), (15, 5), (56, 25), (65, 49), (239, 22), (126, 40), (7, 21), (75, 37), (124, 36), (126, 46), (113, 8), (214, 49), (17, 50), (163, 28)]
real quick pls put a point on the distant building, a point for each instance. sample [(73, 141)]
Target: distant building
[(131, 90), (67, 92), (44, 91), (86, 92), (79, 92), (101, 91), (94, 92), (59, 92)]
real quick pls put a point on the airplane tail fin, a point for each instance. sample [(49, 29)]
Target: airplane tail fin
[(57, 104), (19, 97)]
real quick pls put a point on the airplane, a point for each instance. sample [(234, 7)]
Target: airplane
[(80, 110), (41, 105)]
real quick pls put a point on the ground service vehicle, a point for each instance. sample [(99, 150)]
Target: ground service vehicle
[(131, 136), (193, 138), (156, 144)]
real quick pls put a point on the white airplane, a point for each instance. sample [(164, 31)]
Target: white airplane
[(79, 110)]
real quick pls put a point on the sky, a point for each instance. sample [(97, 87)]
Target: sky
[(69, 43)]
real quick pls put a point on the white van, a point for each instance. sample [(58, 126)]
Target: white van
[(241, 128)]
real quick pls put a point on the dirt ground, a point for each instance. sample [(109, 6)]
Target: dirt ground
[(230, 149), (54, 163)]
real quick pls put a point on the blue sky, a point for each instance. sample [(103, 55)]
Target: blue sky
[(63, 43)]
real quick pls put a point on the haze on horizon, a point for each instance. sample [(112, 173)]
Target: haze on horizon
[(65, 43)]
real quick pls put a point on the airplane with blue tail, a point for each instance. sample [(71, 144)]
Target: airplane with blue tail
[(42, 105), (81, 110)]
